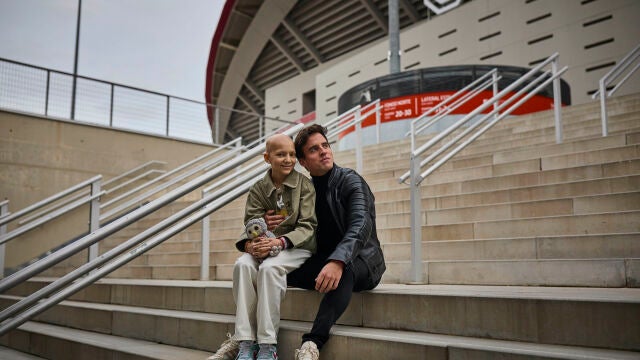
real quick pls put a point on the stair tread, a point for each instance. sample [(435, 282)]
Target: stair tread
[(627, 295), (123, 344), (10, 354), (162, 351)]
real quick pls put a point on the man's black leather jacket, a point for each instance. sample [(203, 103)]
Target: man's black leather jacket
[(353, 206)]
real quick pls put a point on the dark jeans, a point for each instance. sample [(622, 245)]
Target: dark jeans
[(334, 303)]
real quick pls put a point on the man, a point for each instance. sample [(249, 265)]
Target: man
[(348, 257)]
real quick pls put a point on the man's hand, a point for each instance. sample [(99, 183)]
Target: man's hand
[(272, 219), (329, 277)]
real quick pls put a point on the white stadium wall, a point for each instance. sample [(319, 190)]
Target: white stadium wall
[(589, 35)]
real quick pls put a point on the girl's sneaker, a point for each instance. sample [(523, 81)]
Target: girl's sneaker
[(247, 350), (267, 352)]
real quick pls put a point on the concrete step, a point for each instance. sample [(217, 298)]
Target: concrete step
[(522, 194), (376, 158), (155, 310), (603, 223), (590, 204), (10, 354), (370, 343), (554, 272), (386, 189), (59, 342), (616, 272), (593, 246), (552, 162)]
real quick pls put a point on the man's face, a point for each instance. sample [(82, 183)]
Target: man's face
[(318, 157)]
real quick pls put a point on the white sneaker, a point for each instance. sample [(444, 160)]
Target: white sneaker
[(227, 351), (308, 351)]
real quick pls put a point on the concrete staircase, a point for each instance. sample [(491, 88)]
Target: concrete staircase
[(169, 319), (530, 248)]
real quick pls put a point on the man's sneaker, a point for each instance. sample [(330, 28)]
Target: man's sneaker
[(308, 351), (267, 352), (247, 350), (227, 351)]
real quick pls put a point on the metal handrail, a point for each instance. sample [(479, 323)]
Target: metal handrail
[(186, 218), (540, 81), (454, 106), (340, 117), (106, 191), (335, 131), (44, 219), (134, 179), (138, 199), (490, 124), (205, 235), (469, 129), (460, 96), (466, 95), (130, 218), (336, 127), (49, 200), (419, 151), (134, 170), (610, 77), (112, 85)]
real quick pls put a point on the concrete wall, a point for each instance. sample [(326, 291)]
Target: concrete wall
[(589, 37), (40, 157)]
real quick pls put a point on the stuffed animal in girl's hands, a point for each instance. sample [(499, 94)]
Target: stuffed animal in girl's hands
[(257, 228)]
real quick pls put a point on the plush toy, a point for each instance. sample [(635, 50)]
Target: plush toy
[(256, 228)]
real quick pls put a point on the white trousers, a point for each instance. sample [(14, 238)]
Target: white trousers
[(258, 289)]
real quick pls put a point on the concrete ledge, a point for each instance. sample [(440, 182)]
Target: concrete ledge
[(65, 343), (10, 354), (345, 341), (180, 312)]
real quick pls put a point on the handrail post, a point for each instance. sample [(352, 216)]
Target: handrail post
[(494, 79), (217, 124), (557, 105), (358, 142), (416, 223), (378, 119), (4, 210), (204, 247), (413, 136), (94, 217), (168, 117), (603, 107), (260, 128)]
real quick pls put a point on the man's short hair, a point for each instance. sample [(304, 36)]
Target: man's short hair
[(303, 137)]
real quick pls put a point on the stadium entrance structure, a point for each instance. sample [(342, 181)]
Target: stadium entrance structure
[(405, 96)]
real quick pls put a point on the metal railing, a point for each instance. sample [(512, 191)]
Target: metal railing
[(35, 303), (452, 103), (533, 82), (125, 202), (614, 74), (353, 118), (65, 201), (56, 212), (143, 192), (104, 185), (37, 90)]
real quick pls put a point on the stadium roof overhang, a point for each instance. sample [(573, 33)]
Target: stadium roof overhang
[(259, 44)]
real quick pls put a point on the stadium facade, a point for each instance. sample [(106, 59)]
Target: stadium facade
[(292, 60)]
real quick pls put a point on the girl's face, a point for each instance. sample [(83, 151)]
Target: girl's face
[(281, 154)]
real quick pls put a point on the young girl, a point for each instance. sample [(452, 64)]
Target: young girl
[(260, 273)]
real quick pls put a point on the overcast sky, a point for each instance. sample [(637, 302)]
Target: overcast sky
[(158, 45)]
